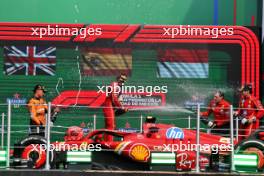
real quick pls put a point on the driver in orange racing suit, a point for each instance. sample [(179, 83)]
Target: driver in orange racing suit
[(38, 109), (112, 104), (250, 111)]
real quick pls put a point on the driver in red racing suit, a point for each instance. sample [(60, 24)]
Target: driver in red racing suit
[(250, 111), (112, 104), (220, 108)]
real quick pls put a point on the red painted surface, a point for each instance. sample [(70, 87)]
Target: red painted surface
[(93, 99)]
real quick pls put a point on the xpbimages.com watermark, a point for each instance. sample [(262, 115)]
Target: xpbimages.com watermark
[(67, 147), (116, 89), (65, 31), (197, 31), (207, 148)]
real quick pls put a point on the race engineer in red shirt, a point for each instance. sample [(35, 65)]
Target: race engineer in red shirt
[(250, 111), (220, 108), (112, 104)]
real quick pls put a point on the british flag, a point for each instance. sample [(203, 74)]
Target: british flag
[(29, 60)]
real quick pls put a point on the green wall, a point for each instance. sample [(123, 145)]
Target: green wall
[(193, 12), (129, 11)]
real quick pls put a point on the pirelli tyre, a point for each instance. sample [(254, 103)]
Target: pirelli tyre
[(33, 149), (252, 146)]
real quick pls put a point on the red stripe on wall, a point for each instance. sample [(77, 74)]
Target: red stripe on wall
[(252, 21), (183, 55), (126, 51), (235, 12)]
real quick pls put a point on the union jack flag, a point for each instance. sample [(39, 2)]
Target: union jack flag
[(29, 60)]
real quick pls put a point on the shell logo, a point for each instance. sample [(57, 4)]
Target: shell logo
[(139, 152)]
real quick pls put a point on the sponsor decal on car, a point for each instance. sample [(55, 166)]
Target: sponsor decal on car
[(120, 147), (139, 152), (128, 130), (174, 133), (225, 140)]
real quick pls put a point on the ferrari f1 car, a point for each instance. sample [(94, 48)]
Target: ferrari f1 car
[(132, 150)]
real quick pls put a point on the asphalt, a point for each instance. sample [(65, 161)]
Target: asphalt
[(11, 172)]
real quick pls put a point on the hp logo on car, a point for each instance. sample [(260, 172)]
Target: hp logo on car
[(174, 133)]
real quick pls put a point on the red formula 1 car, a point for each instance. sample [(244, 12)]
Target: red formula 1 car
[(132, 150)]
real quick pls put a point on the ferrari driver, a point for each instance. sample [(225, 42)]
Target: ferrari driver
[(112, 104), (250, 111), (220, 108)]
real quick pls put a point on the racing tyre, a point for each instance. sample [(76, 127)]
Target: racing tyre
[(32, 149)]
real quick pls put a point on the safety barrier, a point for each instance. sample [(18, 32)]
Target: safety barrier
[(3, 158), (79, 160), (163, 161), (163, 158), (79, 157), (246, 162)]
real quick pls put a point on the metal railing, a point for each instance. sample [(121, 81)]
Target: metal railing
[(189, 119)]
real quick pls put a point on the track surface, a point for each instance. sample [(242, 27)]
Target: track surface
[(109, 173)]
